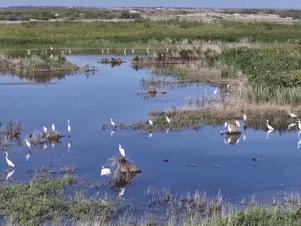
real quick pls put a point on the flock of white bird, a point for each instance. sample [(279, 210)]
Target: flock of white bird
[(28, 144)]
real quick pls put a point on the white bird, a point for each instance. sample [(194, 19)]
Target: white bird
[(113, 123), (147, 50), (51, 48), (167, 119), (215, 91), (121, 192), (51, 56), (69, 127), (28, 144), (105, 171), (228, 85), (124, 51), (9, 162), (237, 123), (102, 51), (70, 51), (69, 145), (28, 52), (269, 126), (150, 122), (9, 174), (291, 125), (292, 114), (53, 127), (108, 51), (244, 117), (121, 150), (133, 51), (45, 130)]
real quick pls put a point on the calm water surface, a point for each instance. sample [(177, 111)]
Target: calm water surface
[(198, 160)]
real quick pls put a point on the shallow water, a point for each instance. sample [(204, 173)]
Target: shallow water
[(198, 160)]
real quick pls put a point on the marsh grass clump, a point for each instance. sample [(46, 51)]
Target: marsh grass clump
[(43, 201), (10, 134), (38, 66), (124, 171)]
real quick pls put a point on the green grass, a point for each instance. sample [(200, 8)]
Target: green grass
[(43, 200), (138, 33)]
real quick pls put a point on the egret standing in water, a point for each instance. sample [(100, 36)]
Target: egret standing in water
[(269, 126), (121, 192), (292, 114), (69, 127), (53, 127), (45, 130), (113, 123), (9, 162), (150, 122), (167, 119), (215, 92), (121, 150), (105, 171)]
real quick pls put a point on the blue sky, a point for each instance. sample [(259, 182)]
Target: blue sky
[(178, 3)]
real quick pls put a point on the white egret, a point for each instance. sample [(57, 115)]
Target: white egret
[(215, 92), (150, 122), (121, 192), (53, 127), (124, 51), (28, 52), (9, 162), (9, 174), (292, 114), (105, 171), (69, 127), (69, 51), (269, 126), (167, 119), (121, 150), (28, 144), (133, 51), (147, 50), (51, 55), (113, 123), (244, 117), (291, 125), (108, 50), (228, 85), (45, 130), (51, 48)]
